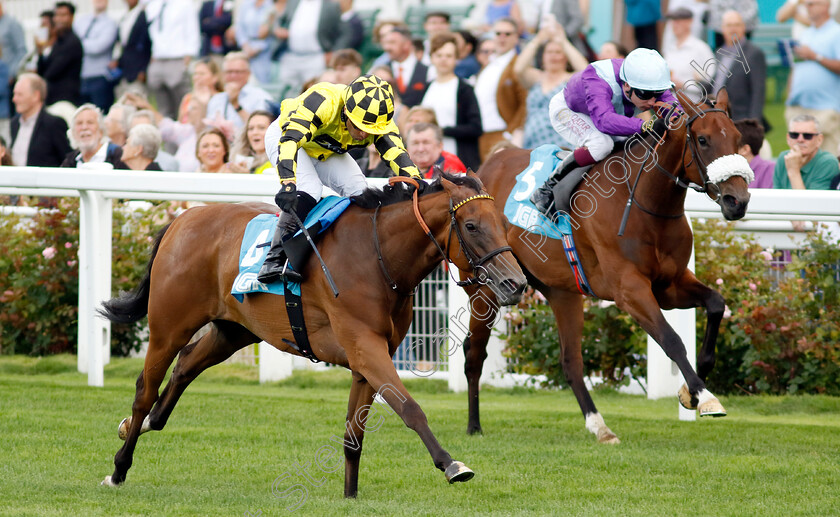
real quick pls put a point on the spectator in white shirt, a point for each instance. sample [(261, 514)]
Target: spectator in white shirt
[(683, 50), (501, 97), (173, 28), (98, 34), (239, 98), (311, 28)]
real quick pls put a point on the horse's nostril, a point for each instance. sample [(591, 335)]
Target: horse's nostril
[(510, 287)]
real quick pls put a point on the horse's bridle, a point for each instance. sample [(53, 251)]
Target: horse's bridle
[(476, 262), (691, 146), (695, 156)]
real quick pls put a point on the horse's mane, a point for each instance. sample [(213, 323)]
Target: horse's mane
[(390, 194), (622, 146)]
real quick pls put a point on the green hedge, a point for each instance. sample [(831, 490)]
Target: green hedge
[(780, 333), (39, 276)]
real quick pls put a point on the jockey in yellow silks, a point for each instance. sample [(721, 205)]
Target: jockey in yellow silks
[(309, 143)]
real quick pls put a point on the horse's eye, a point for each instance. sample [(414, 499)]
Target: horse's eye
[(702, 140), (471, 227)]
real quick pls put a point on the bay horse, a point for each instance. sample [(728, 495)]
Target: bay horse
[(378, 254), (645, 269)]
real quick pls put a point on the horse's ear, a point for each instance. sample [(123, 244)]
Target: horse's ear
[(688, 105), (448, 186), (722, 100)]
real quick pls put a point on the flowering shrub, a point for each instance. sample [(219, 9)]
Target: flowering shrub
[(613, 344), (39, 276), (780, 332)]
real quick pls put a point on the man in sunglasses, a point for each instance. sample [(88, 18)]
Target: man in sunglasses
[(805, 165), (598, 107)]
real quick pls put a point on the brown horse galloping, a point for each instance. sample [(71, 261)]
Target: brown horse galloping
[(644, 270), (195, 260)]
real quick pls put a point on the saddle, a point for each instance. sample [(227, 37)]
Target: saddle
[(566, 187)]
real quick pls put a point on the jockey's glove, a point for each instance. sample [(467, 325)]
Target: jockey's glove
[(657, 127), (287, 198)]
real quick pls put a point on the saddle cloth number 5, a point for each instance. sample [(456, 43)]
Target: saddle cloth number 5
[(530, 182)]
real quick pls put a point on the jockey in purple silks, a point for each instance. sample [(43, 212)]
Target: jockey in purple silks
[(598, 107)]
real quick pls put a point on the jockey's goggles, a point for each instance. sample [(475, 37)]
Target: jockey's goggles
[(646, 94)]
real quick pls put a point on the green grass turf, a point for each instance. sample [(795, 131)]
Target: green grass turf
[(230, 438)]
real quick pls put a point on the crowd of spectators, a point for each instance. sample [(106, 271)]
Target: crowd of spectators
[(172, 87)]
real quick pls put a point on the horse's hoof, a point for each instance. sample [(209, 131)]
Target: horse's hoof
[(686, 399), (457, 471), (474, 430), (122, 429), (108, 482), (607, 436), (711, 407)]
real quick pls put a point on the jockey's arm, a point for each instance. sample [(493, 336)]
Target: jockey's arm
[(602, 112), (392, 149), (298, 128)]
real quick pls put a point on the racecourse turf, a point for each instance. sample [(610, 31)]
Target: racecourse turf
[(230, 438)]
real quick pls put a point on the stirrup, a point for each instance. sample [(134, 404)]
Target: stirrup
[(290, 274)]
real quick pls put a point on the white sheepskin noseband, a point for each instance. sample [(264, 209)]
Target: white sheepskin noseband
[(730, 165)]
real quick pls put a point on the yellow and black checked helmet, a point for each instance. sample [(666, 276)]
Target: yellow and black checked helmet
[(369, 104)]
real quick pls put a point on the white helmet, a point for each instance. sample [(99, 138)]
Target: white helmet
[(645, 69)]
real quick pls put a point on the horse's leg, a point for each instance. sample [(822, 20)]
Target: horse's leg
[(685, 293), (636, 298), (483, 310), (568, 312), (361, 397), (373, 363), (221, 342), (158, 358)]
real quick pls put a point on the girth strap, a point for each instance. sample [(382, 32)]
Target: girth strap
[(294, 309)]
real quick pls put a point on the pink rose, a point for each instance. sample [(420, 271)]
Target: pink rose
[(48, 253), (68, 245), (753, 287), (719, 281)]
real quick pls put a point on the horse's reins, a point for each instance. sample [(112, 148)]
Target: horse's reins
[(474, 260), (695, 156)]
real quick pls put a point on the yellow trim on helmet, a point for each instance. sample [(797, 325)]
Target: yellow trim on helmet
[(373, 129)]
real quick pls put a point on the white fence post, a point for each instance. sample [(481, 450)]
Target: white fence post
[(94, 347), (458, 323), (274, 364), (664, 378)]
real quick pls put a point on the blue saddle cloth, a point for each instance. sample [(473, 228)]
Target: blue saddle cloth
[(257, 240), (522, 213), (518, 208)]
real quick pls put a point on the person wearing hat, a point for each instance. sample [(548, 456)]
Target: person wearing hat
[(598, 107), (309, 142), (683, 50)]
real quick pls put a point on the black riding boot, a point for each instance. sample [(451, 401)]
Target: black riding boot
[(543, 197), (276, 263)]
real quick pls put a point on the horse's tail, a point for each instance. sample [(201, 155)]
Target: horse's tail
[(134, 305)]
